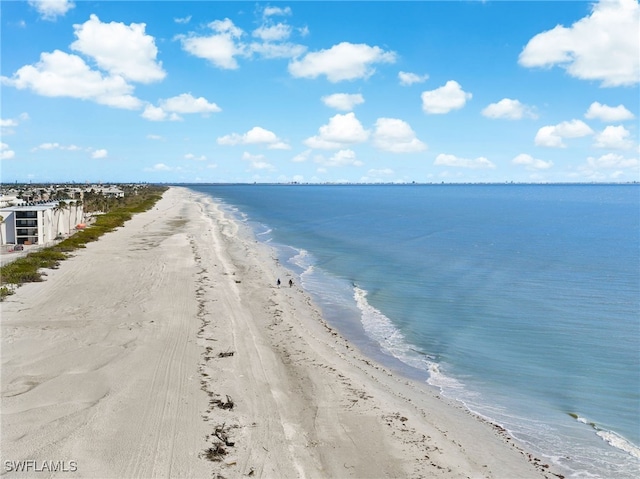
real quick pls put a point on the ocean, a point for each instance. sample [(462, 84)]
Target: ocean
[(520, 301)]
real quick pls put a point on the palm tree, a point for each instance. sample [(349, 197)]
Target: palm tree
[(70, 205), (78, 205), (58, 209)]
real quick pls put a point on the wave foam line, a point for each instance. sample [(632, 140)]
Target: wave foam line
[(612, 438)]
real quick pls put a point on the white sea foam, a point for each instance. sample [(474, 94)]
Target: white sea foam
[(612, 438), (380, 328)]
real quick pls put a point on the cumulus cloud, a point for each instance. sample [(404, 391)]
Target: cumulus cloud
[(531, 163), (185, 103), (271, 11), (610, 166), (608, 113), (257, 162), (508, 109), (60, 74), (455, 161), (183, 20), (56, 146), (444, 99), (552, 136), (407, 78), (271, 33), (220, 48), (130, 52), (340, 131), (396, 136), (302, 157), (99, 154), (614, 137), (602, 46), (344, 61), (345, 157), (343, 101), (256, 136), (51, 9), (5, 152)]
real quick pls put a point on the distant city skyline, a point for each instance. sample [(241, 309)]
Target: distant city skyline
[(319, 92)]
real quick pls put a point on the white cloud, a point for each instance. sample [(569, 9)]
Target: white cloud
[(257, 135), (5, 152), (343, 101), (340, 131), (221, 48), (508, 109), (444, 99), (272, 33), (129, 52), (340, 158), (452, 160), (612, 161), (154, 137), (155, 113), (396, 136), (407, 78), (345, 61), (169, 108), (60, 74), (277, 50), (51, 9), (271, 11), (99, 154), (257, 162), (602, 46), (611, 166), (302, 157), (531, 163), (614, 137), (8, 123), (552, 136), (56, 146), (608, 113), (183, 20), (186, 103), (159, 167), (191, 156)]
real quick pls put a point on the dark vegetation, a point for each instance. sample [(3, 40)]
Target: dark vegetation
[(118, 211)]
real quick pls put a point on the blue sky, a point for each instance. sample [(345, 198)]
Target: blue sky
[(320, 91)]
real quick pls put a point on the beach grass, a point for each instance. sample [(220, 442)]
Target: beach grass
[(29, 268)]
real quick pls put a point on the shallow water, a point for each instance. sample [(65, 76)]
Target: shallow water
[(522, 301)]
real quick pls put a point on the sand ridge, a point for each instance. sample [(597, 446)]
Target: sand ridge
[(166, 349)]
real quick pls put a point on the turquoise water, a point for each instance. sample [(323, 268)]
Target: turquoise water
[(522, 301)]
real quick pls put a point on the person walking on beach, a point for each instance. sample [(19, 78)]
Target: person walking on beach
[(290, 282), (278, 283)]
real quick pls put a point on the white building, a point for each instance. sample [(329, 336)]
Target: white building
[(37, 223)]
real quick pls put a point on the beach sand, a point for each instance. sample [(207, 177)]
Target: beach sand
[(165, 349)]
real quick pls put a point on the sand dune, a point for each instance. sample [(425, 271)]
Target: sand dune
[(166, 349)]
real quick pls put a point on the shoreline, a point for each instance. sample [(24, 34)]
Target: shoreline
[(194, 347)]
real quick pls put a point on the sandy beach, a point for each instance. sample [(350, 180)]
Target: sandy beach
[(166, 349)]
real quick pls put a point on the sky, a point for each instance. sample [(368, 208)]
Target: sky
[(315, 92)]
